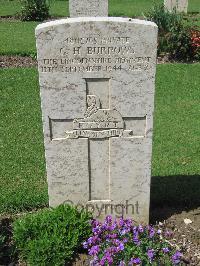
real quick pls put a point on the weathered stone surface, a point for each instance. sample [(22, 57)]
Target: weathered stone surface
[(88, 8), (180, 5), (97, 80)]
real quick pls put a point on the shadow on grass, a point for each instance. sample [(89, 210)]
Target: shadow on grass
[(173, 194), (7, 249)]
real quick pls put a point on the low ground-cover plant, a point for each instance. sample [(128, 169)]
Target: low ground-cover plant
[(175, 37), (121, 242), (34, 10), (51, 236)]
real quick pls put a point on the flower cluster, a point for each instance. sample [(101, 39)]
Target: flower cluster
[(122, 242), (195, 37)]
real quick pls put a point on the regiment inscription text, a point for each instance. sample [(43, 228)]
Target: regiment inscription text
[(93, 54)]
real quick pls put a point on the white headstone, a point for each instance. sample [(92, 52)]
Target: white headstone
[(179, 5), (88, 8), (97, 80)]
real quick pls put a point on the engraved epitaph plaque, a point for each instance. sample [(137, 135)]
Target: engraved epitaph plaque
[(97, 79), (88, 8)]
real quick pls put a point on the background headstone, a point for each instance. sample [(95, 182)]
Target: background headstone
[(97, 80), (88, 8), (180, 5)]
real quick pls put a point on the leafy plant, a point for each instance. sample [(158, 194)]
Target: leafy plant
[(34, 10), (164, 19), (121, 242), (174, 36), (51, 236)]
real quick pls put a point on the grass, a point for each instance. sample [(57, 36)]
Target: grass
[(59, 9), (176, 146), (116, 7), (9, 8), (177, 123), (130, 8), (17, 38), (23, 181), (193, 6), (193, 19)]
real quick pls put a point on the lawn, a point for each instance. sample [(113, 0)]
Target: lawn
[(17, 38), (176, 146), (177, 123), (193, 6), (116, 7), (23, 183)]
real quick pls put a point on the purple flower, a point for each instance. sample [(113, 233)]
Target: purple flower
[(104, 227), (111, 236), (129, 222), (102, 261), (159, 231), (116, 241), (94, 250), (90, 240), (113, 226), (136, 238), (107, 258), (121, 246), (108, 219), (124, 240), (121, 222), (176, 257), (150, 254), (85, 244), (93, 240), (165, 250), (123, 231), (151, 232), (136, 261), (140, 228), (122, 263), (95, 223), (96, 230)]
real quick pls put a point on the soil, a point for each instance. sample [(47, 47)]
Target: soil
[(9, 18), (17, 18), (186, 237), (17, 61)]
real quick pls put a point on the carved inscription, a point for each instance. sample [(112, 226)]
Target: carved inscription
[(95, 54), (91, 134)]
